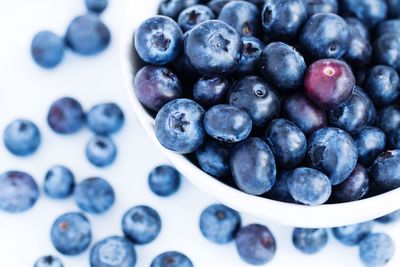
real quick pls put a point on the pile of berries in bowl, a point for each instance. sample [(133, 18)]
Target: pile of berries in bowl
[(285, 110)]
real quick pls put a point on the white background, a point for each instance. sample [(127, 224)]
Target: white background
[(26, 91)]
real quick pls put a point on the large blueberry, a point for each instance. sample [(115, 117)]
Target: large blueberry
[(172, 8), (171, 259), (389, 118), (394, 139), (18, 191), (334, 152), (351, 235), (105, 118), (179, 126), (96, 6), (280, 190), (211, 91), (164, 180), (48, 261), (258, 98), (47, 49), (22, 137), (309, 240), (66, 116), (318, 6), (242, 16), (101, 151), (370, 12), (389, 218), (251, 51), (376, 249), (385, 171), (59, 182), (383, 85), (213, 157), (283, 66), (213, 48), (253, 166), (193, 16), (386, 50), (113, 251), (158, 40), (355, 187)]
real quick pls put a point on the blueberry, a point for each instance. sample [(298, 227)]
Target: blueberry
[(213, 48), (358, 27), (359, 51), (304, 113), (393, 8), (318, 6), (280, 190), (283, 19), (389, 218), (66, 116), (253, 166), (385, 171), (383, 85), (194, 15), (352, 235), (255, 244), (101, 151), (211, 91), (105, 118), (71, 233), (389, 118), (217, 5), (287, 142), (370, 12), (251, 51), (371, 107), (219, 224), (386, 50), (309, 186), (354, 187), (22, 137), (334, 152), (164, 180), (113, 251), (309, 241), (87, 35), (96, 6), (283, 66), (48, 261), (213, 158), (59, 182), (391, 26), (171, 259), (325, 35), (394, 139), (172, 8), (227, 123), (376, 249), (158, 40), (141, 224), (242, 16), (258, 98), (94, 195), (18, 192), (47, 49)]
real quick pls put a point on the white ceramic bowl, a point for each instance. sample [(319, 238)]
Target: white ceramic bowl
[(328, 215)]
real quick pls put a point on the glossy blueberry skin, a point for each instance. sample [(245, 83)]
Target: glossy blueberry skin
[(71, 233), (48, 261), (179, 126), (255, 244), (383, 85), (280, 190), (325, 35), (371, 107), (193, 16), (386, 50), (394, 139), (22, 137), (251, 51), (355, 187), (219, 224), (287, 142), (253, 166), (370, 12), (389, 118), (171, 259), (329, 83), (18, 192), (318, 6), (59, 182), (376, 249), (242, 16), (391, 26), (141, 224), (47, 49), (304, 113), (333, 152), (96, 6), (213, 158), (283, 67), (351, 116), (283, 19), (213, 48), (352, 235), (211, 91), (113, 251), (389, 218), (164, 180), (257, 97), (94, 195), (101, 151), (227, 123), (172, 8), (105, 118), (370, 142), (158, 40), (66, 116), (87, 35), (359, 52), (385, 171), (309, 186), (309, 240)]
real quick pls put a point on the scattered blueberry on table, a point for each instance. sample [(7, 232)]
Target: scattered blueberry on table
[(113, 251), (105, 118), (59, 182), (22, 137), (101, 151), (172, 259), (164, 180), (352, 235), (309, 241), (48, 261), (376, 249), (66, 116), (47, 49)]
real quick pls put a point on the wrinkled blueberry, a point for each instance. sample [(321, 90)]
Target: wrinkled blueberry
[(164, 180), (213, 158), (48, 261), (352, 235), (59, 182), (66, 116), (171, 259), (354, 187), (193, 16), (309, 240), (385, 171), (47, 49), (376, 249), (242, 16), (211, 91), (22, 137), (105, 118), (383, 85), (101, 151), (113, 251)]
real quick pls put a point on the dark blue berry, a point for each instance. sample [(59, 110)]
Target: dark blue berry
[(96, 6), (113, 251), (354, 187), (370, 12), (309, 240), (66, 116), (318, 6), (386, 50), (171, 259), (141, 224), (251, 51), (59, 182), (280, 190), (101, 151), (48, 261), (385, 171), (213, 158), (359, 51), (164, 180), (172, 8), (193, 16), (211, 91), (389, 218), (94, 195), (105, 118), (391, 26), (383, 85), (242, 16), (352, 235), (71, 233), (47, 49), (376, 249), (22, 137), (394, 139), (389, 118), (358, 27)]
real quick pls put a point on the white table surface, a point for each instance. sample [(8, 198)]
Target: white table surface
[(26, 91)]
